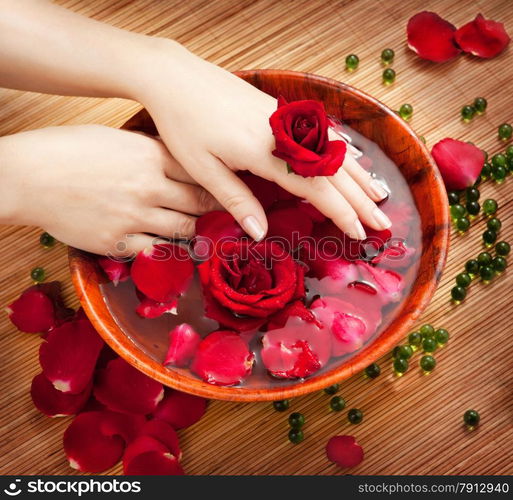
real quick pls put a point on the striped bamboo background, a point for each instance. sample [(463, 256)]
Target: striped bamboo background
[(412, 425)]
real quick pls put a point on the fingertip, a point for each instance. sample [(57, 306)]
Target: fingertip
[(254, 228)]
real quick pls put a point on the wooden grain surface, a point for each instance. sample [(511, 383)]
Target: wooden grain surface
[(412, 425)]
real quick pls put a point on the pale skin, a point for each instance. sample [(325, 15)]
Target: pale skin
[(91, 186)]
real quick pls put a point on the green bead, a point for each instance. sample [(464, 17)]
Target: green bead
[(453, 197), (395, 352), (296, 436), (337, 403), (471, 418), (37, 274), (282, 405), (478, 181), (499, 174), (427, 363), (484, 259), (462, 224), (427, 330), (47, 240), (494, 224), (485, 171), (400, 365), (387, 56), (458, 211), (509, 161), (472, 267), (498, 160), (487, 273), (406, 111), (441, 336), (405, 352), (505, 131), (415, 339), (489, 237), (423, 139), (499, 264), (355, 416), (373, 371), (458, 293), (480, 104), (467, 113), (388, 76), (472, 194), (296, 420), (352, 62), (490, 207), (473, 207), (509, 151), (429, 344), (463, 279), (332, 389), (502, 248)]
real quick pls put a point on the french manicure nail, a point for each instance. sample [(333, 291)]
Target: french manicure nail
[(378, 189), (251, 225), (359, 231), (383, 221)]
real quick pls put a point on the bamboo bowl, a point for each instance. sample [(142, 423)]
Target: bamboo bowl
[(381, 125)]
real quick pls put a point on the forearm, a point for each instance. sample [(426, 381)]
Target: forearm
[(9, 182), (46, 48)]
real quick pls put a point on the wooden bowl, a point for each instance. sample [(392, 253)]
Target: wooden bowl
[(378, 123)]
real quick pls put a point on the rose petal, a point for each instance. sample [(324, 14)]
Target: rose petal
[(388, 284), (482, 37), (153, 463), (289, 224), (344, 451), (116, 270), (460, 163), (183, 343), (140, 445), (265, 191), (149, 308), (165, 434), (180, 409), (432, 37), (298, 309), (395, 256)]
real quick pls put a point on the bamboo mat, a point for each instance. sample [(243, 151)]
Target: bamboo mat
[(412, 425)]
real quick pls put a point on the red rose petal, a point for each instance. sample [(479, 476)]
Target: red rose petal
[(298, 309), (116, 270), (123, 388), (164, 273), (344, 451), (183, 343), (140, 445), (180, 409), (389, 284), (223, 358), (311, 211), (482, 37), (460, 163), (153, 463), (265, 191), (432, 37), (68, 356), (395, 256), (53, 403), (289, 224), (163, 432), (149, 308), (214, 226)]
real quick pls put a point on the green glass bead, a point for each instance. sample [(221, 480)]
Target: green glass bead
[(352, 61), (489, 237), (429, 344), (486, 171), (494, 224), (487, 273), (472, 267), (47, 240), (471, 418), (355, 416), (463, 279), (458, 211), (502, 248), (406, 111), (462, 224), (467, 113), (509, 161), (395, 352), (427, 330), (453, 197), (484, 259), (415, 339), (498, 160), (442, 336), (427, 363), (499, 174), (387, 56), (509, 151), (296, 436), (478, 181), (296, 420), (405, 352), (505, 131), (282, 405), (499, 264), (473, 207), (472, 194), (37, 274), (388, 76), (480, 104), (423, 139), (332, 389), (373, 371), (400, 366), (337, 403), (490, 206), (458, 293)]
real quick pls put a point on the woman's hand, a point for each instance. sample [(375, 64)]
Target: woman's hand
[(100, 189)]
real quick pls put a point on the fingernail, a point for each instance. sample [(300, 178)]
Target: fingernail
[(359, 232), (382, 220), (378, 189), (251, 225)]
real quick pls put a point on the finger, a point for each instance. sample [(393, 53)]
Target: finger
[(234, 195), (186, 198), (372, 187), (170, 165), (131, 245), (169, 224), (366, 209)]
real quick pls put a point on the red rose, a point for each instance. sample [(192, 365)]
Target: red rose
[(245, 282), (300, 130)]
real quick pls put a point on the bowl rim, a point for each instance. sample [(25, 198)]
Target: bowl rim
[(83, 267)]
